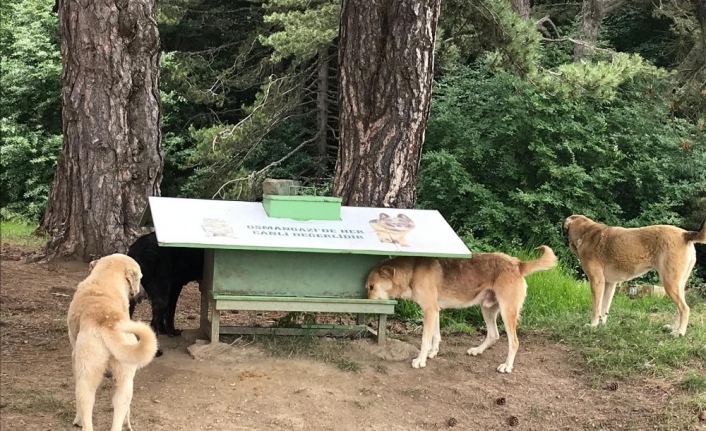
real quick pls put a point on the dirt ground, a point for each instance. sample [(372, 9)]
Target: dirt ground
[(341, 386)]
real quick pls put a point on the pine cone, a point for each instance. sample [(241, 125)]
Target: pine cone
[(452, 422), (500, 401), (613, 386), (513, 421)]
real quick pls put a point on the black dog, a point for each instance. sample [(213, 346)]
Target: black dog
[(165, 271)]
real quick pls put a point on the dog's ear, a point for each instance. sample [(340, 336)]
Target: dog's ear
[(566, 223), (403, 217), (133, 276), (92, 265), (383, 216), (388, 272)]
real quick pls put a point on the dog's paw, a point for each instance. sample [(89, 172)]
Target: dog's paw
[(678, 334), (159, 353), (77, 422), (504, 368), (419, 363), (174, 333), (433, 353), (474, 351)]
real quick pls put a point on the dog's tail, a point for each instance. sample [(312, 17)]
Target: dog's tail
[(700, 236), (138, 354), (546, 261)]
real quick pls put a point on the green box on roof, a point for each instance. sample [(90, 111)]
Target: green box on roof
[(302, 207)]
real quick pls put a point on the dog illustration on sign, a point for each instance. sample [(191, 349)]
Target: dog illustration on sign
[(392, 229), (217, 227)]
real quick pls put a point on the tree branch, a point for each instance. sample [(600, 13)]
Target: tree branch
[(252, 176)]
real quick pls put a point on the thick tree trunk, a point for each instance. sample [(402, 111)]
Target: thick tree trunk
[(592, 13), (522, 7), (386, 60), (111, 159)]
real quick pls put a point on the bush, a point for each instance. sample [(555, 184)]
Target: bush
[(506, 162)]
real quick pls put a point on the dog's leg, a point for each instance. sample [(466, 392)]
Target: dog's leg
[(607, 300), (490, 315), (87, 382), (174, 292), (430, 316), (436, 338), (510, 314), (122, 398), (159, 313), (597, 288), (674, 286)]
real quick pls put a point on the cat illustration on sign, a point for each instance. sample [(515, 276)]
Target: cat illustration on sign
[(392, 229), (217, 227)]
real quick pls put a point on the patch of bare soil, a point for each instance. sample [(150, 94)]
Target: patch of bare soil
[(242, 385)]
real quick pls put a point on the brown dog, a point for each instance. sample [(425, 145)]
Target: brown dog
[(610, 254), (103, 337), (495, 281)]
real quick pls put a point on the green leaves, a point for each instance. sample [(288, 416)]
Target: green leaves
[(30, 106), (304, 30), (508, 160)]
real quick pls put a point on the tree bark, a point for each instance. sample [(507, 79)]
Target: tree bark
[(522, 7), (386, 61), (322, 108), (592, 13), (112, 158)]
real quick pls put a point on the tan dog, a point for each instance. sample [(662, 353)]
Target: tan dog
[(495, 281), (610, 254), (392, 229), (103, 337)]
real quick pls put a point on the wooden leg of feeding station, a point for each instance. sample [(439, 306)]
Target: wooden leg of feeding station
[(215, 324), (382, 323), (361, 318), (203, 318)]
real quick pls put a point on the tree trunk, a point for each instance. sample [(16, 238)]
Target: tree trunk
[(322, 108), (592, 14), (386, 61), (522, 7), (111, 159)]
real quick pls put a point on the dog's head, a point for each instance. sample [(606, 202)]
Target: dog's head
[(128, 267), (386, 282), (573, 229)]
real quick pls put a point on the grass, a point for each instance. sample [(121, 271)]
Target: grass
[(632, 342), (693, 382), (20, 234)]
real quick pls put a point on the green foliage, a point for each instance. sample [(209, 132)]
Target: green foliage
[(306, 27), (470, 29), (31, 65), (599, 78), (27, 164), (507, 161), (30, 106)]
